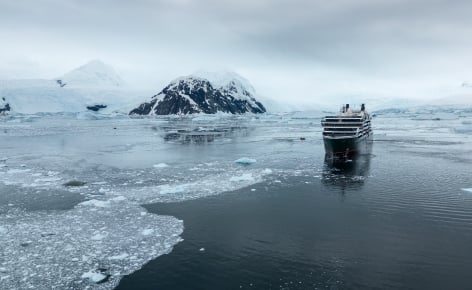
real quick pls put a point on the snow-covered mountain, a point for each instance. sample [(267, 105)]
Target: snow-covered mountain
[(94, 74), (94, 83), (203, 93)]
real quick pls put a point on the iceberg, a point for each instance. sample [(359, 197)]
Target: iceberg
[(245, 161)]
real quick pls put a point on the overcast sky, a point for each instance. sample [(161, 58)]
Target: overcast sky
[(288, 49)]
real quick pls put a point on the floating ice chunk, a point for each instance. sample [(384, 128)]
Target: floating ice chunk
[(160, 165), (202, 250), (267, 171), (167, 189), (244, 177), (103, 190), (245, 161), (16, 171), (147, 232), (96, 203), (467, 189), (118, 198), (119, 257), (95, 277), (99, 183), (99, 236), (47, 179), (3, 230)]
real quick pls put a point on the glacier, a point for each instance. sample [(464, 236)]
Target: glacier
[(94, 83)]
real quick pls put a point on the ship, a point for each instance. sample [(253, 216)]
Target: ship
[(348, 133)]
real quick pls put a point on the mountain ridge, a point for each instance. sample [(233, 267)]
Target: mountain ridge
[(194, 94)]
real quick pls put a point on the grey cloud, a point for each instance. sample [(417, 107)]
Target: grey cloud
[(374, 38)]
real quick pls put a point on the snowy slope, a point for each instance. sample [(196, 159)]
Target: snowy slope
[(223, 79), (94, 74), (92, 84)]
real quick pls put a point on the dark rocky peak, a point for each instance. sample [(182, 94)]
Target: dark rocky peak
[(192, 94), (188, 86), (235, 87)]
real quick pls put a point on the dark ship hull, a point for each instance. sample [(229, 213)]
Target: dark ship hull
[(346, 147)]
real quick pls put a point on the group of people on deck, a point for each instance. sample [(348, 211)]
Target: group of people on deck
[(347, 109)]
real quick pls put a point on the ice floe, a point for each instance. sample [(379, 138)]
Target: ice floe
[(96, 203), (467, 189), (211, 184), (243, 177), (94, 244), (94, 276), (79, 248), (245, 161), (160, 165)]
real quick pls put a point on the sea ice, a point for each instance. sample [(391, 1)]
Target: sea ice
[(43, 244), (147, 232), (245, 161), (244, 177), (119, 257), (96, 203), (94, 276), (160, 165)]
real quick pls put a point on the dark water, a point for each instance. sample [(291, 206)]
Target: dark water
[(393, 219)]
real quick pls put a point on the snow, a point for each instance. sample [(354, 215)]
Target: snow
[(119, 257), (147, 232), (98, 236), (94, 276), (96, 203), (92, 83), (228, 83), (92, 74), (160, 165), (79, 242), (245, 161), (221, 79), (243, 177), (15, 171)]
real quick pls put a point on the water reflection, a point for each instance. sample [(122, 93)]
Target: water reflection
[(203, 135), (346, 173)]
